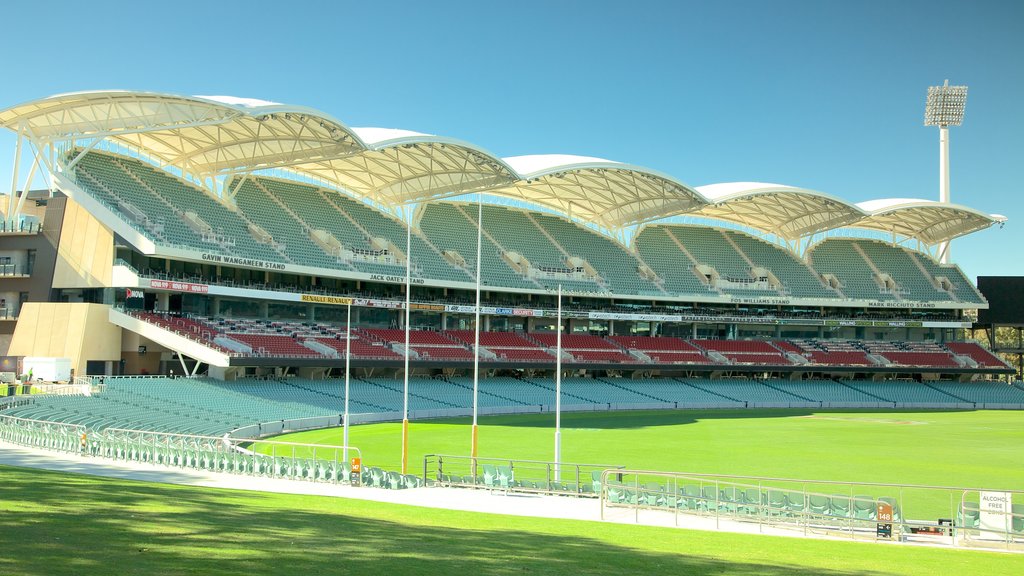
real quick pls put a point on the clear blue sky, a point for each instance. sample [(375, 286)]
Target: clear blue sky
[(821, 94)]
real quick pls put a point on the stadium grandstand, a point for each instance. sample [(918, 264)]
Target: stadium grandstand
[(230, 238)]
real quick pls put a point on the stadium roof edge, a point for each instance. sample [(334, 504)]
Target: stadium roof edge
[(208, 136)]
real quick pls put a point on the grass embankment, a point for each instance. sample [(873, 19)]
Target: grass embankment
[(54, 524)]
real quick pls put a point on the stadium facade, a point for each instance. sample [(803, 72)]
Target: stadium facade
[(231, 236)]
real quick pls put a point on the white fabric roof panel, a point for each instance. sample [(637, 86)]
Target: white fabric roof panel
[(218, 135), (784, 211)]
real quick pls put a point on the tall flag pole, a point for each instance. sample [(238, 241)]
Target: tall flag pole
[(348, 365), (558, 390), (476, 328), (408, 302)]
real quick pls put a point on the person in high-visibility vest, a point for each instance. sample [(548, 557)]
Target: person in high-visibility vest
[(84, 441)]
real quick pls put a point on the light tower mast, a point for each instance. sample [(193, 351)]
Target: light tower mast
[(945, 108)]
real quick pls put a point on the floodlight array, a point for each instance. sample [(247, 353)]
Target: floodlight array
[(945, 106)]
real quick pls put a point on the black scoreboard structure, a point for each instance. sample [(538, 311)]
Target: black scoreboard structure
[(1005, 295)]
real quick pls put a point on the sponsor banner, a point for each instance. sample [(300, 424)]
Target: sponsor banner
[(428, 307), (179, 286), (390, 304), (464, 309), (634, 317), (135, 299), (880, 323), (321, 299), (247, 262)]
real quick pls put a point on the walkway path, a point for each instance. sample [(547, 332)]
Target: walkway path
[(469, 500)]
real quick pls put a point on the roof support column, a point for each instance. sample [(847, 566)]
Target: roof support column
[(14, 175)]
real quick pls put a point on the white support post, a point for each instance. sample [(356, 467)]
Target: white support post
[(14, 176), (476, 328), (558, 390), (348, 366), (408, 306), (25, 188)]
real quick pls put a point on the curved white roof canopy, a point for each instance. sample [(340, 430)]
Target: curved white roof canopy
[(221, 135), (784, 211), (929, 221), (610, 194)]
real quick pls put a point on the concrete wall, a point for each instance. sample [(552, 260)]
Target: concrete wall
[(77, 331), (85, 253)]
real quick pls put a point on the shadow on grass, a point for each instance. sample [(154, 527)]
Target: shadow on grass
[(74, 524), (628, 419)]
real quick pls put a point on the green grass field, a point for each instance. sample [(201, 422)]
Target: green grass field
[(963, 448), (66, 524)]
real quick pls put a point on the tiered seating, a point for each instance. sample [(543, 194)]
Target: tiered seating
[(105, 168), (505, 345), (936, 359), (192, 329), (840, 258), (316, 214), (912, 353), (274, 345), (833, 353), (679, 391), (963, 289), (904, 270), (360, 347), (822, 391), (746, 351), (226, 223), (600, 392), (287, 211), (585, 347), (263, 211), (749, 390), (709, 246), (427, 345), (426, 261), (797, 279), (975, 352), (657, 249), (445, 226), (982, 392), (904, 392), (844, 358), (513, 230), (615, 265), (787, 346), (165, 405), (663, 350), (199, 406)]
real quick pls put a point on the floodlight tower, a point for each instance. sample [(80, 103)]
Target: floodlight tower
[(945, 108)]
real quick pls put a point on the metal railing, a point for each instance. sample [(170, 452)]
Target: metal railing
[(55, 436), (838, 509), (514, 475), (259, 458)]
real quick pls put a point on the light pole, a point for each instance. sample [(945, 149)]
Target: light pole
[(944, 108)]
